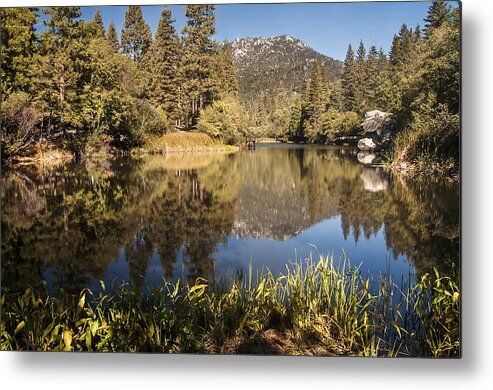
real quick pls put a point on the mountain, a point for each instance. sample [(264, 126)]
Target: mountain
[(277, 65)]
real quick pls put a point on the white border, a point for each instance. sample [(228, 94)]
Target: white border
[(474, 370)]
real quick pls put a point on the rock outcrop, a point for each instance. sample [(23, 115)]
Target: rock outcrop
[(377, 126)]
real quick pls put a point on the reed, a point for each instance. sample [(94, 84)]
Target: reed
[(182, 141), (314, 308)]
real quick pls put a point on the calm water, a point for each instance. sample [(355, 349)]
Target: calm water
[(211, 214)]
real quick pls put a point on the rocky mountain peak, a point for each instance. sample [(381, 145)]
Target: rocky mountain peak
[(279, 63)]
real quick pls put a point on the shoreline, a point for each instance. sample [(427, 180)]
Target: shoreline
[(193, 142), (169, 143), (315, 309), (416, 171)]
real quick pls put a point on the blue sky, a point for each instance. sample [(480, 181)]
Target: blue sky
[(328, 28)]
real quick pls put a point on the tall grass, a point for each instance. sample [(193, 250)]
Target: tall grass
[(182, 141), (314, 308)]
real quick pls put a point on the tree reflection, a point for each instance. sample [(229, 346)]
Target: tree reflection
[(71, 222)]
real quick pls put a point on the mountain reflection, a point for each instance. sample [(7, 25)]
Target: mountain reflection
[(68, 224)]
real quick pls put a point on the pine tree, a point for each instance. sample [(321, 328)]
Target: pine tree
[(404, 71), (295, 124), (430, 103), (361, 79), (227, 82), (18, 46), (335, 100), (98, 23), (162, 61), (348, 81), (314, 99), (384, 85), (403, 47), (113, 37), (136, 34), (315, 104), (61, 27), (372, 76), (441, 73), (438, 13), (59, 69), (198, 58)]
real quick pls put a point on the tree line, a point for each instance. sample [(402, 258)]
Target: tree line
[(418, 81), (78, 86)]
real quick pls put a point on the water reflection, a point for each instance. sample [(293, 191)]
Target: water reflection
[(206, 215)]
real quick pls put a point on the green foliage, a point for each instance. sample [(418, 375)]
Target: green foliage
[(438, 14), (430, 111), (226, 83), (150, 120), (59, 75), (441, 73), (348, 80), (295, 129), (19, 122), (317, 117), (95, 27), (86, 92), (224, 120), (112, 37), (163, 63), (431, 141), (372, 75), (198, 60), (106, 104), (336, 124), (18, 44), (136, 34), (313, 304)]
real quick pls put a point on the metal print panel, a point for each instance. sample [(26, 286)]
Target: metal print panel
[(232, 179)]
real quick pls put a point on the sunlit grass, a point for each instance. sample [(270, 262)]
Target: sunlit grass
[(314, 308), (183, 141)]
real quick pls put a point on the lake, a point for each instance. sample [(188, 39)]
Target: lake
[(209, 215)]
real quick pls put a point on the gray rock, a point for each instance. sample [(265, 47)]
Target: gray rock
[(377, 126), (367, 144), (378, 122)]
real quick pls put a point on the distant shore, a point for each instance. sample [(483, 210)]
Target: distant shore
[(175, 142), (183, 142)]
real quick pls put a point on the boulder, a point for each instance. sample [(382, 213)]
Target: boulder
[(367, 144), (378, 122), (377, 127)]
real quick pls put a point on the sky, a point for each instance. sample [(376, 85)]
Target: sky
[(326, 27)]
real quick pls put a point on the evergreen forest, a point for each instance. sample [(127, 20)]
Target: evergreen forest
[(75, 87)]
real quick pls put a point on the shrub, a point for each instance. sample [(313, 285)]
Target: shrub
[(223, 121), (433, 134), (150, 120), (19, 121), (336, 124), (139, 119), (347, 123)]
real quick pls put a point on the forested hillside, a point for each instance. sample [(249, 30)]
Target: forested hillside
[(272, 73), (277, 65)]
